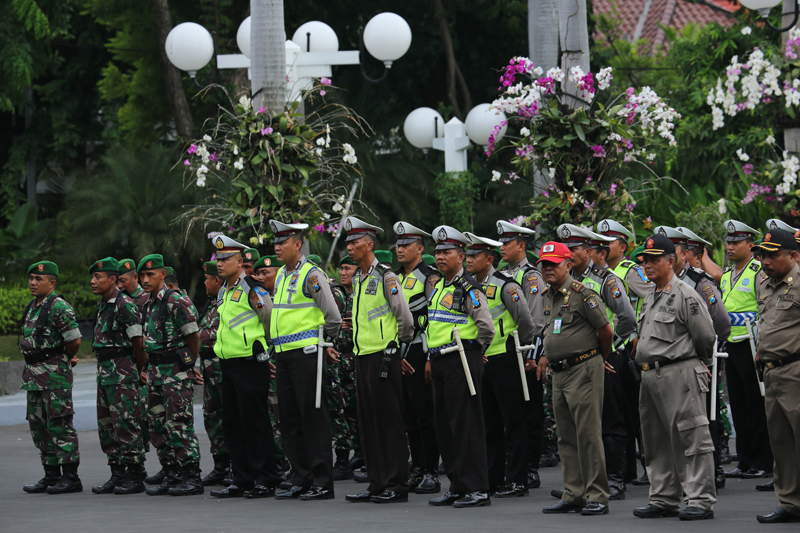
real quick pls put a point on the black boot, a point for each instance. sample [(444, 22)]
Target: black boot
[(534, 456), (117, 476), (357, 461), (172, 478), (549, 457), (724, 451), (52, 474), (157, 478), (190, 484), (134, 480), (415, 476), (342, 469), (222, 469), (615, 467), (69, 482)]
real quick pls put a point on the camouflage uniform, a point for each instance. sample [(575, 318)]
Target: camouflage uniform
[(347, 384), (274, 417), (212, 376), (342, 436), (170, 390), (119, 406), (49, 383), (140, 298)]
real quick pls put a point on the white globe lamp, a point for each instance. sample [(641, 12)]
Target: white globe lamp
[(387, 37), (421, 126), (189, 47)]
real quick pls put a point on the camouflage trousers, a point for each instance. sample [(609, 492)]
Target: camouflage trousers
[(550, 430), (50, 419), (144, 418), (119, 415), (345, 420), (171, 416), (274, 418), (212, 407), (724, 417)]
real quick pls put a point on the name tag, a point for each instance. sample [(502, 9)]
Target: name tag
[(744, 289), (557, 326)]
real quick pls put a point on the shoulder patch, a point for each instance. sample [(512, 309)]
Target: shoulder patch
[(600, 272), (512, 291), (476, 302), (615, 292), (392, 284), (694, 308), (591, 301), (577, 286), (256, 299), (755, 266)]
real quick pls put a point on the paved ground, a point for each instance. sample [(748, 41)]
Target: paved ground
[(736, 510)]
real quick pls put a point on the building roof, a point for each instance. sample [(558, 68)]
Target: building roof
[(642, 19)]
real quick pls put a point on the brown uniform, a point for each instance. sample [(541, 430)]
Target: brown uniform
[(676, 336), (779, 320), (572, 316)]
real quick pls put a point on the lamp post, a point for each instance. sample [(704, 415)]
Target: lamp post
[(765, 6), (425, 129), (311, 52)]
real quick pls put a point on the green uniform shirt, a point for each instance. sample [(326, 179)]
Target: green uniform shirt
[(61, 328), (117, 322)]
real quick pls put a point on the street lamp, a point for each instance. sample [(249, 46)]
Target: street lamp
[(311, 52), (764, 6), (422, 130)]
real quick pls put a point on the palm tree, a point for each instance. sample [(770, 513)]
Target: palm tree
[(268, 55), (543, 33), (574, 31)]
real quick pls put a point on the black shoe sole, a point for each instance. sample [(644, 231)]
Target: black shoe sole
[(666, 514), (771, 489), (487, 503), (511, 495), (685, 518), (620, 496), (369, 500), (70, 491), (189, 493), (95, 490), (427, 491), (135, 491)]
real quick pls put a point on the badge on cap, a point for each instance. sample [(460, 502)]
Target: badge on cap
[(499, 228), (41, 268), (662, 232), (274, 227), (99, 264), (248, 255), (649, 243), (604, 227), (442, 235), (400, 229), (149, 264), (205, 268), (348, 226), (127, 264), (773, 225), (731, 227), (548, 248), (267, 261), (219, 244), (565, 233), (767, 237)]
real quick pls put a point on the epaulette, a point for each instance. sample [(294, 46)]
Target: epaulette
[(383, 269), (755, 266), (698, 273), (600, 272), (577, 286), (764, 277), (727, 270), (627, 263), (469, 283), (503, 276), (528, 266)]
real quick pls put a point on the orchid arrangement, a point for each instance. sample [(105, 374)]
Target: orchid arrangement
[(580, 149), (256, 166)]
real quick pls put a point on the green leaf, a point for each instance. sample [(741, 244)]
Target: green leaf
[(284, 123), (257, 160), (288, 169), (24, 220), (579, 131), (790, 112), (294, 139)]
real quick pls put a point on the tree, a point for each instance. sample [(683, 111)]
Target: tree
[(543, 33), (268, 54), (574, 32)]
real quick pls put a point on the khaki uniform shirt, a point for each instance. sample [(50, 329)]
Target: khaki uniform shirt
[(581, 313), (674, 324), (779, 316)]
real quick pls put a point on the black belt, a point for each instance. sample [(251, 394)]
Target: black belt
[(644, 367), (164, 358), (107, 354), (42, 356), (781, 362), (435, 353), (569, 362)]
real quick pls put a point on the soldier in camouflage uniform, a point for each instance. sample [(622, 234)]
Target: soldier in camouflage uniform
[(172, 342), (347, 378), (50, 340), (212, 376), (342, 439), (128, 281), (119, 347)]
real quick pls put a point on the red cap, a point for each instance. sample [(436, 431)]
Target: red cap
[(555, 252)]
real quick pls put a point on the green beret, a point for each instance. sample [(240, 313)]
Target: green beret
[(501, 265), (151, 262), (428, 259), (267, 261), (170, 271), (127, 265), (636, 253), (250, 255), (44, 267), (384, 256), (210, 268), (532, 257), (108, 264), (346, 260), (314, 258)]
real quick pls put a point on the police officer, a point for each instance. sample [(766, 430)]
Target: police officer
[(505, 411), (696, 254), (172, 342), (675, 340), (707, 288), (303, 303), (778, 356), (636, 287), (382, 326), (576, 332), (50, 340), (212, 378), (514, 250), (456, 300), (250, 257), (585, 244), (739, 296), (119, 347), (417, 393)]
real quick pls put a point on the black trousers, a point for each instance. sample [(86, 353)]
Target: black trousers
[(306, 430), (380, 423), (630, 382), (418, 413), (615, 435), (505, 420), (459, 421), (245, 419), (535, 420), (747, 406)]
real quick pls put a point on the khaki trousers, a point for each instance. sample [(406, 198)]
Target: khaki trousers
[(679, 453), (782, 401), (578, 407)]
